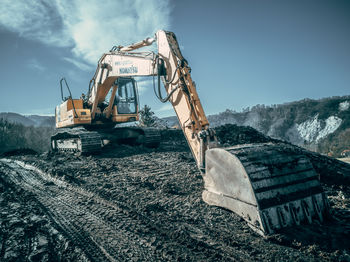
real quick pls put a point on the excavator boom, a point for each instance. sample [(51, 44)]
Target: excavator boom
[(267, 185)]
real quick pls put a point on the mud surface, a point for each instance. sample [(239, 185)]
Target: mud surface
[(139, 204), (19, 152)]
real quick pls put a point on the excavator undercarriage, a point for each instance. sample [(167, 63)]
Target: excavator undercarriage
[(86, 142), (76, 140)]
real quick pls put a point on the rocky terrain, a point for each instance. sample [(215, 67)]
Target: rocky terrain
[(140, 204)]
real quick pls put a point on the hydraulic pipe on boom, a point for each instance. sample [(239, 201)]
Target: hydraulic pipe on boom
[(184, 97), (146, 42)]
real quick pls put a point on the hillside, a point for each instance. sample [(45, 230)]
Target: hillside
[(15, 136), (319, 125), (28, 120)]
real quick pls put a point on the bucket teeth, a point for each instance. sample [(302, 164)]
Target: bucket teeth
[(270, 187)]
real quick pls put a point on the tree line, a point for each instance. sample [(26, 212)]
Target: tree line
[(17, 136)]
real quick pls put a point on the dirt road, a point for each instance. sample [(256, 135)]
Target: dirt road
[(137, 204)]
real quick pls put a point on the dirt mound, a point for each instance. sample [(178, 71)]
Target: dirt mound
[(141, 204), (230, 135), (172, 135), (330, 170)]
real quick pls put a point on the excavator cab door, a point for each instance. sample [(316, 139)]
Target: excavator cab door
[(126, 96)]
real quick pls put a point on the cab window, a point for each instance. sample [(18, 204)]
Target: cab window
[(126, 99)]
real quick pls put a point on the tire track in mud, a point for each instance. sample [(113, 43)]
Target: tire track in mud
[(167, 242), (208, 227), (106, 230), (200, 235), (80, 217), (189, 236)]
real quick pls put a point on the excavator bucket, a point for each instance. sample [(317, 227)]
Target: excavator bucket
[(270, 187)]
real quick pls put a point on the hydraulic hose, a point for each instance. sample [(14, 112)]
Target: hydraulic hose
[(158, 93), (70, 95)]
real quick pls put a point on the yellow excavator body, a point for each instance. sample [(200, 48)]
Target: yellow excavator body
[(67, 116)]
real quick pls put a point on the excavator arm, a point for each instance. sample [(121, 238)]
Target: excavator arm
[(271, 187), (182, 94), (268, 185)]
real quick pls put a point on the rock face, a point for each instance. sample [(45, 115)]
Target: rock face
[(135, 203), (313, 130)]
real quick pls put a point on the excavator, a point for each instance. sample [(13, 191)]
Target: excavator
[(269, 187)]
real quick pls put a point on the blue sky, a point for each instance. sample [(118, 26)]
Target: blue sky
[(242, 53)]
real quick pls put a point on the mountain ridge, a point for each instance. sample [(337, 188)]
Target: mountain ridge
[(28, 120), (321, 125)]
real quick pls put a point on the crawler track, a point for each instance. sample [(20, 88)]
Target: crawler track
[(76, 140), (102, 230)]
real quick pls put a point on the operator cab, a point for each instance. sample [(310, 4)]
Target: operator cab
[(126, 96)]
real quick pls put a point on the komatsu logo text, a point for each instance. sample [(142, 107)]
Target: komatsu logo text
[(128, 70)]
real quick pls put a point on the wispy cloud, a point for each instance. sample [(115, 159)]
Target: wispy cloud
[(37, 20), (88, 27), (41, 112), (81, 65), (35, 65), (165, 107), (144, 84)]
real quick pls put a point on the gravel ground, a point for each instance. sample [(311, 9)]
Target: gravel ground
[(137, 204)]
